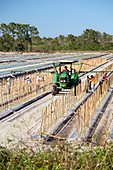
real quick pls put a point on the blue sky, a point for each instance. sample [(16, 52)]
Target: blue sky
[(59, 17)]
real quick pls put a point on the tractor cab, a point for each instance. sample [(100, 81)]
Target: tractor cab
[(65, 76)]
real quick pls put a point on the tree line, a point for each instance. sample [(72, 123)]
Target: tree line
[(25, 38)]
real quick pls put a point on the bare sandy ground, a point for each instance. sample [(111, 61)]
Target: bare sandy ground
[(19, 129)]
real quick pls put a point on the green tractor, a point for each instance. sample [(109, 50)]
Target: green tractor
[(64, 79)]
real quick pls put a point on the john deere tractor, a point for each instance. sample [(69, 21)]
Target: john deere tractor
[(62, 79)]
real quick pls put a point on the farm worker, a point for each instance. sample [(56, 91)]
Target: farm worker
[(92, 81), (65, 70), (88, 83), (104, 76), (28, 79), (9, 84), (29, 83), (38, 82)]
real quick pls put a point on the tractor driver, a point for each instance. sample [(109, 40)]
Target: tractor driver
[(65, 70)]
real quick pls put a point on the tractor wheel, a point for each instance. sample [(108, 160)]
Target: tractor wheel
[(57, 91), (54, 90)]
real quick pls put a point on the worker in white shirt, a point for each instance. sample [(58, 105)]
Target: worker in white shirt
[(38, 82)]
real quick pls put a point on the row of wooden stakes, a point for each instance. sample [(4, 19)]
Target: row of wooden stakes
[(16, 90)]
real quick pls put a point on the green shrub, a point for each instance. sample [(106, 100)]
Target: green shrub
[(64, 157)]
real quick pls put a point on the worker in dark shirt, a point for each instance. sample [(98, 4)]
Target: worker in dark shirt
[(65, 70)]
